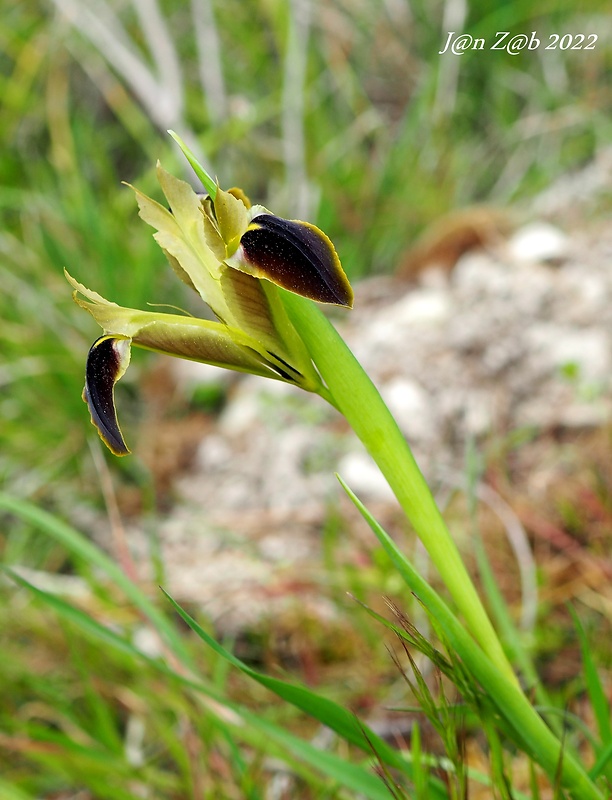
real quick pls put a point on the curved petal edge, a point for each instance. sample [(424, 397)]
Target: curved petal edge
[(107, 361), (295, 255)]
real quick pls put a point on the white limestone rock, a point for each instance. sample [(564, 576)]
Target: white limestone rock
[(538, 242)]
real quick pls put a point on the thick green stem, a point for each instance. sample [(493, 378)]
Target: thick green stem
[(361, 404), (523, 723), (356, 397)]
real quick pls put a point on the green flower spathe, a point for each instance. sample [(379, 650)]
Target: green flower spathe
[(236, 256)]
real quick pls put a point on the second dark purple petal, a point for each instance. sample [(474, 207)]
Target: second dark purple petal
[(298, 257)]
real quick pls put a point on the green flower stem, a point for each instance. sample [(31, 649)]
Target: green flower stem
[(523, 723), (356, 397), (359, 402)]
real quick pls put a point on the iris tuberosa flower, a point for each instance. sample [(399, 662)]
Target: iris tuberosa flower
[(238, 258), (249, 267)]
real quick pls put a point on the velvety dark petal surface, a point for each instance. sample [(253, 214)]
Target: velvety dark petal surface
[(297, 256), (106, 363)]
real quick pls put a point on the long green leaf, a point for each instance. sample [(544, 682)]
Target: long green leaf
[(77, 544), (352, 776), (326, 711), (530, 729)]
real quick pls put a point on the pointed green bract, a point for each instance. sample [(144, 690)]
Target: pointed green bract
[(207, 181)]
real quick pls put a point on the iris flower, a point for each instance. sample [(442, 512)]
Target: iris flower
[(238, 258), (249, 266)]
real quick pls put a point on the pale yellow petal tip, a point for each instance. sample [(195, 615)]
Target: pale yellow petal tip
[(79, 288)]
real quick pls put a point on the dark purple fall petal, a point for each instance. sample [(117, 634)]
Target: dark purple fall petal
[(103, 370), (297, 256)]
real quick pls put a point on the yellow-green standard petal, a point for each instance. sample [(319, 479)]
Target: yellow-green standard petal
[(232, 218), (182, 235)]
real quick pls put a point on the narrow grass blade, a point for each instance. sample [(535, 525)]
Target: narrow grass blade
[(533, 782), (352, 776), (531, 732), (109, 638), (93, 704), (79, 546), (326, 711), (11, 792), (257, 730), (597, 695), (420, 768), (605, 757), (88, 625)]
